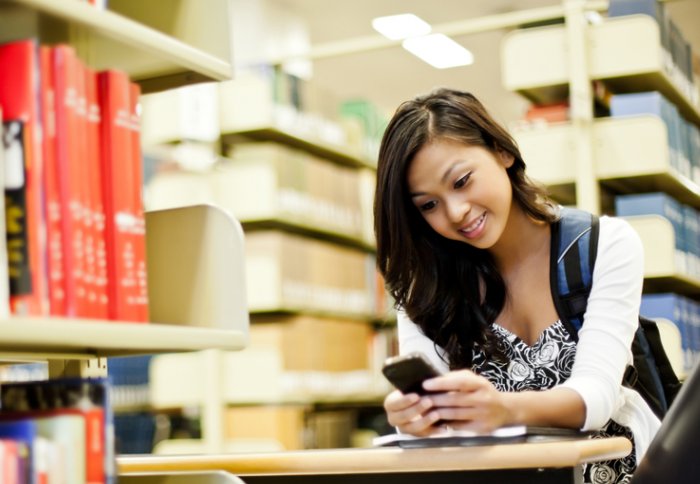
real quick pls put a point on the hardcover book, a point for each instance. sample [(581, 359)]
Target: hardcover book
[(19, 98)]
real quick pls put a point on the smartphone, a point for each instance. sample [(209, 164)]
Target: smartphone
[(407, 372)]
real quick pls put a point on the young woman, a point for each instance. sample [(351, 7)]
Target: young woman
[(463, 241)]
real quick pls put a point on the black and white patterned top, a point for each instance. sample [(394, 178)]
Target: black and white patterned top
[(545, 364)]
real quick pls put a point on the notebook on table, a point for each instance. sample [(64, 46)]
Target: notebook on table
[(461, 438)]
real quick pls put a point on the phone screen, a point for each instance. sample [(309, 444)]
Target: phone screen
[(407, 372)]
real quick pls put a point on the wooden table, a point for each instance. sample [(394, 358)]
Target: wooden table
[(546, 462)]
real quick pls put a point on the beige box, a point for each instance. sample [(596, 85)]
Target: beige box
[(330, 429), (290, 272), (308, 343), (283, 424)]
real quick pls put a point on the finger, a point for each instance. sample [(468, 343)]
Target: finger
[(409, 414), (461, 414), (477, 398), (422, 425), (463, 380), (396, 401)]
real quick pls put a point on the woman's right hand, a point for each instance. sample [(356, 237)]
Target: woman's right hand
[(410, 413)]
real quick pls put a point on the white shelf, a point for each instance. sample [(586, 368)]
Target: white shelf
[(160, 46), (631, 155), (285, 135), (70, 338), (248, 111), (176, 381), (534, 62), (197, 297), (662, 271), (302, 227)]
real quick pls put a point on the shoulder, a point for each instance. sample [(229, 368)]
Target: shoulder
[(617, 234), (620, 250)]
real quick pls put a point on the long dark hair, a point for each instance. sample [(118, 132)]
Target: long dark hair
[(450, 289)]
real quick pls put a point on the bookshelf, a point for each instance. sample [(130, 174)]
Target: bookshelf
[(587, 161), (276, 131), (206, 319), (535, 62), (196, 281), (630, 155), (304, 199), (150, 42), (662, 270), (259, 117)]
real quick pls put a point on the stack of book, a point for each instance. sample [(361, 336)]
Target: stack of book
[(56, 431), (74, 213)]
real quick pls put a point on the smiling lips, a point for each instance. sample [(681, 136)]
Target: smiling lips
[(475, 228)]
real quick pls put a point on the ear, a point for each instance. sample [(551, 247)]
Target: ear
[(506, 158)]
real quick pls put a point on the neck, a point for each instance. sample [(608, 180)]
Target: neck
[(522, 239)]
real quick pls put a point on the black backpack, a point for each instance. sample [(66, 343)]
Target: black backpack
[(575, 238)]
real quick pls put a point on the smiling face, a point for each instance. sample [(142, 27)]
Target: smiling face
[(463, 192)]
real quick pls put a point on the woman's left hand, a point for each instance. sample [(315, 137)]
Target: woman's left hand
[(469, 401)]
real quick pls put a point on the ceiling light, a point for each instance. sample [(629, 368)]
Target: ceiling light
[(402, 26), (439, 51)]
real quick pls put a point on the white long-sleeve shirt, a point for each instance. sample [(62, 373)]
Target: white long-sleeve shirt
[(603, 350)]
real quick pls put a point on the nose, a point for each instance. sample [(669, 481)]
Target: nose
[(457, 210)]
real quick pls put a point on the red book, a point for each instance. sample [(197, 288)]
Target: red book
[(140, 293), (26, 247), (70, 154), (11, 460), (550, 113), (80, 199), (118, 185), (96, 252), (52, 194)]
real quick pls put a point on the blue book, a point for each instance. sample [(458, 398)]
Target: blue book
[(619, 8), (694, 133), (657, 203), (652, 8), (685, 146), (676, 309), (692, 239), (24, 432), (654, 103), (694, 336)]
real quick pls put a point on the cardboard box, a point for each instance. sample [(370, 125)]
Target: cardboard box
[(308, 343), (283, 424)]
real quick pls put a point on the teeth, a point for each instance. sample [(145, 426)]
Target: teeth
[(475, 224)]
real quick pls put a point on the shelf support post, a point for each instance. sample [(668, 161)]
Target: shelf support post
[(84, 368), (581, 106), (213, 404)]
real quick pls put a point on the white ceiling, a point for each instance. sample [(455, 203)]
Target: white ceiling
[(390, 75)]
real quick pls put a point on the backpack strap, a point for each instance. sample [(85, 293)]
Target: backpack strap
[(573, 253)]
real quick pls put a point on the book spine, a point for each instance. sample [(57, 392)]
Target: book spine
[(80, 197), (95, 212), (139, 293), (114, 98), (22, 143), (54, 235), (66, 87)]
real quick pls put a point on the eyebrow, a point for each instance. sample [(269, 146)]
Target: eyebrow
[(445, 176)]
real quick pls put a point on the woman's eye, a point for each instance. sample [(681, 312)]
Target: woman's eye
[(427, 206), (462, 181)]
